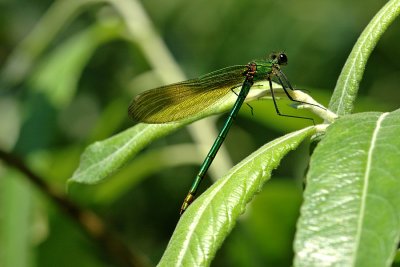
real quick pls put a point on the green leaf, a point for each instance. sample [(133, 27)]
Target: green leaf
[(104, 158), (203, 227), (349, 80), (143, 166), (351, 211)]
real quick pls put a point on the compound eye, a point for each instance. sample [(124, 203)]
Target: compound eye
[(282, 59)]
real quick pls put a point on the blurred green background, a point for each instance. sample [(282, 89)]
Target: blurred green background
[(68, 70)]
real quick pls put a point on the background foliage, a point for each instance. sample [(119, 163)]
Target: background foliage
[(67, 83)]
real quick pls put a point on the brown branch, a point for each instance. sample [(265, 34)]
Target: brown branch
[(89, 222)]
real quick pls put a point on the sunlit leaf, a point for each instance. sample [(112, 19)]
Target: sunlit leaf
[(351, 211), (349, 80), (204, 226)]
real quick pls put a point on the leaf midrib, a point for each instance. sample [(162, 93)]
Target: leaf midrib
[(358, 54), (366, 186), (201, 210)]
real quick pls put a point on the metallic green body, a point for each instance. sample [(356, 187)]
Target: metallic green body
[(180, 100)]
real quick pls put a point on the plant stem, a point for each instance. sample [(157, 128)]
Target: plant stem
[(90, 223)]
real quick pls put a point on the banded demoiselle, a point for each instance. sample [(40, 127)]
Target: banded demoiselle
[(181, 100)]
